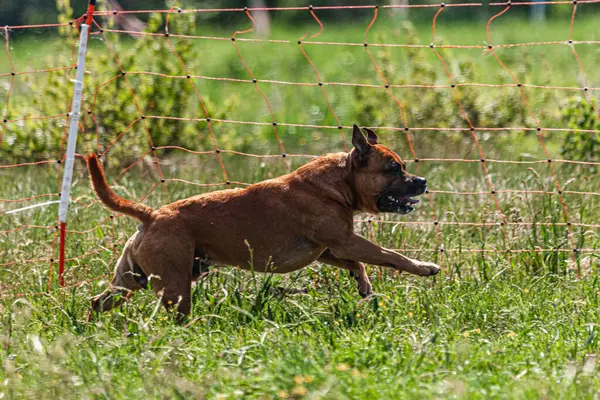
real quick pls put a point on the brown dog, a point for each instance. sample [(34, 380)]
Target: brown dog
[(287, 223)]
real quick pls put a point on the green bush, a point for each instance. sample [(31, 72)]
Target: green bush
[(113, 106), (582, 146)]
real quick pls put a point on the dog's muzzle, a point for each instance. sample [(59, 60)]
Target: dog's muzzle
[(399, 203)]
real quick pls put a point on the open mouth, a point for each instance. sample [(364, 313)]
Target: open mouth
[(396, 203)]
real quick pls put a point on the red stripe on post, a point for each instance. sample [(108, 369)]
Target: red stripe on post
[(90, 12)]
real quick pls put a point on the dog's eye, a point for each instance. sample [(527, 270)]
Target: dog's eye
[(395, 167)]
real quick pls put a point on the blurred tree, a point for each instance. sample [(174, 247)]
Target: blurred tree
[(538, 11), (263, 22), (128, 22), (45, 11)]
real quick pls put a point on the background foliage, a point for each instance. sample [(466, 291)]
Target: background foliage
[(114, 109)]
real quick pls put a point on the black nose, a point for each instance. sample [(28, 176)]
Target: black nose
[(420, 181)]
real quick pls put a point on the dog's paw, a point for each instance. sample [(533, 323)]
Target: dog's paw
[(363, 284), (429, 268), (365, 289)]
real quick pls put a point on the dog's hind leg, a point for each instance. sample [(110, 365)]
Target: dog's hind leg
[(178, 294), (171, 277), (175, 290), (357, 271)]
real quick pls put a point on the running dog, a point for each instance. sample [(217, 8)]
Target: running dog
[(288, 222)]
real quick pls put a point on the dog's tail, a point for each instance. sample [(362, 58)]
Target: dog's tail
[(110, 198)]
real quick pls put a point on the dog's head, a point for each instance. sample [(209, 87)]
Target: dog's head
[(380, 178)]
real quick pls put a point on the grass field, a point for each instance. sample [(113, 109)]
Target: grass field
[(491, 325)]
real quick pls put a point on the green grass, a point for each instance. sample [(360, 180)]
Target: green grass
[(489, 326), (511, 336)]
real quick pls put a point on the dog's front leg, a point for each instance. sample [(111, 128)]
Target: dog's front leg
[(357, 270), (357, 248)]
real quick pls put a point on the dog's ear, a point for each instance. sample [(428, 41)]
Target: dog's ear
[(359, 141), (371, 137)]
